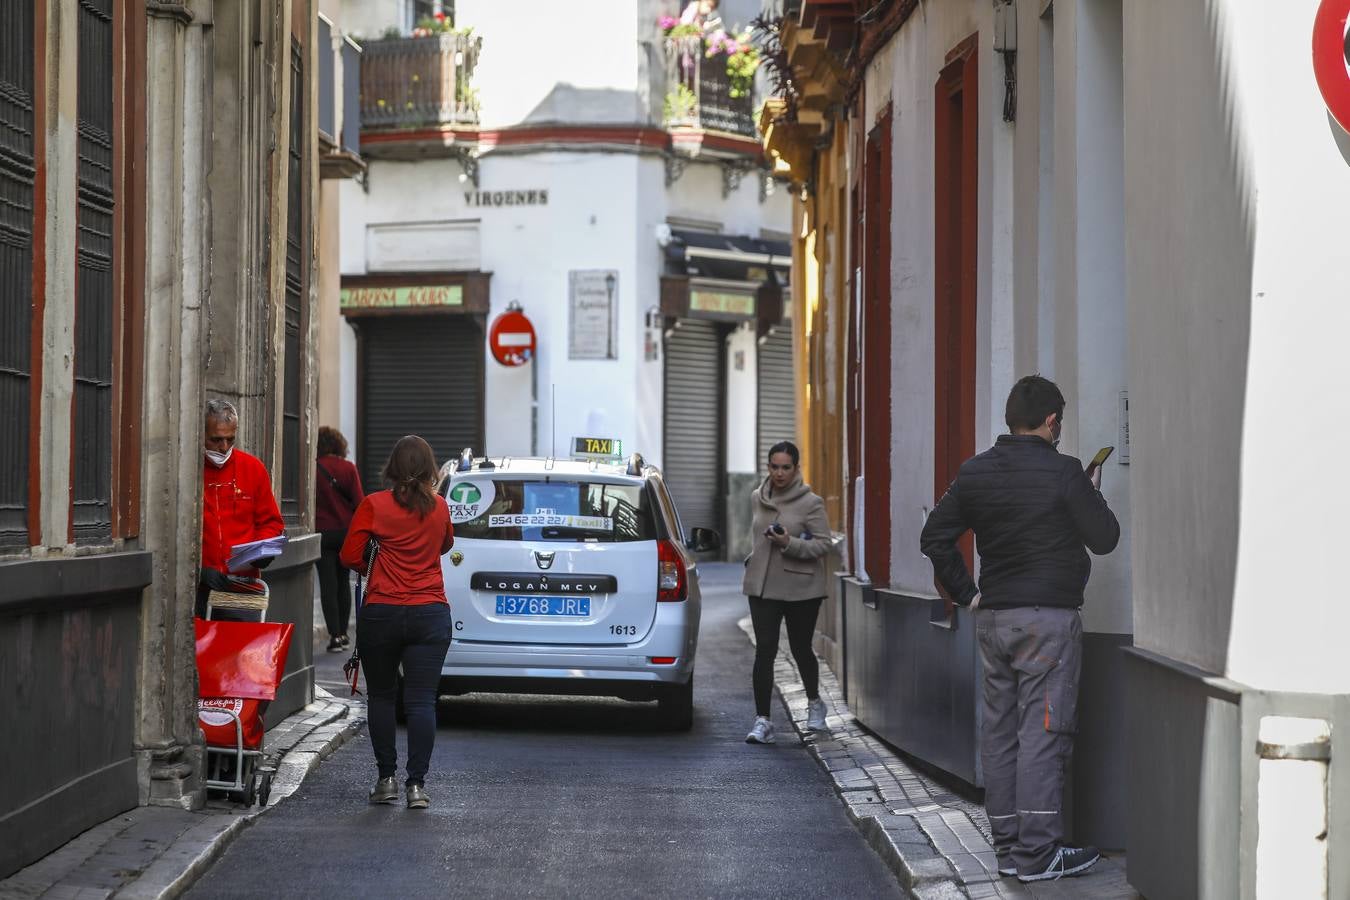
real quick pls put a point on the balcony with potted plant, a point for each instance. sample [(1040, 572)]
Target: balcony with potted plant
[(420, 83)]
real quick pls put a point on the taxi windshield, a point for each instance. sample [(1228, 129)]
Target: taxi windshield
[(550, 510)]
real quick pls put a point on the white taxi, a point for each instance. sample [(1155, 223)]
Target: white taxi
[(571, 577)]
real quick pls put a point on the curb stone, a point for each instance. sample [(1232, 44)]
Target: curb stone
[(157, 853)]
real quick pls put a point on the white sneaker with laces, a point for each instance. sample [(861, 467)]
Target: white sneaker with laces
[(762, 732), (815, 715)]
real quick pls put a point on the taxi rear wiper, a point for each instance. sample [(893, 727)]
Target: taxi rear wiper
[(566, 531)]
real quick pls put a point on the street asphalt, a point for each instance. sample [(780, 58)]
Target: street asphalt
[(563, 797)]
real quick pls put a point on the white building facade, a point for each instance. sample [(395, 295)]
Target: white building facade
[(553, 176)]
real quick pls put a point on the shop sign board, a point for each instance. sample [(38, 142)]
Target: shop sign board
[(404, 296), (593, 314), (721, 302)]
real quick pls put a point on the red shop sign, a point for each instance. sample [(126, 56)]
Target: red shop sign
[(511, 338), (1329, 58)]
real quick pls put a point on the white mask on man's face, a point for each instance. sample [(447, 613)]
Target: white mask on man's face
[(219, 459)]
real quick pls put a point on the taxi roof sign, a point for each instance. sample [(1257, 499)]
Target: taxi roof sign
[(600, 448)]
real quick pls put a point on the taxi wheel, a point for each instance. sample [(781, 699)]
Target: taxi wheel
[(677, 706)]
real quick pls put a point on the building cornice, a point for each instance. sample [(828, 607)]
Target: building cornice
[(538, 138)]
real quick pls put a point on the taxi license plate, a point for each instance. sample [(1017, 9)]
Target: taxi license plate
[(512, 605)]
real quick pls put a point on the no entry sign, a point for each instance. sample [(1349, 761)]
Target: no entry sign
[(1329, 58), (511, 338)]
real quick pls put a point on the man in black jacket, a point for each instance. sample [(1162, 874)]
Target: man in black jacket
[(1035, 515)]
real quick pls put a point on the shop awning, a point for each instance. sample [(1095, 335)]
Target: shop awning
[(727, 257), (725, 277)]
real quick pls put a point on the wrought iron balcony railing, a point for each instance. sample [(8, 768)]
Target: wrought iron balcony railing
[(700, 94), (419, 81)]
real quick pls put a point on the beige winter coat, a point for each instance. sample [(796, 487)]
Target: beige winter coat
[(797, 571)]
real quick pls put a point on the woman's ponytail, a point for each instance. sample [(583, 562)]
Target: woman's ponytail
[(411, 474)]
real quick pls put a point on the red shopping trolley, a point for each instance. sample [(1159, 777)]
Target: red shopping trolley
[(239, 667)]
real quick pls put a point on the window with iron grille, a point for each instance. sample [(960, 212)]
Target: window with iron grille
[(16, 266), (94, 295), (295, 285)]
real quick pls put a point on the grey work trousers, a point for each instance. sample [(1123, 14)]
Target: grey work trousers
[(1032, 658)]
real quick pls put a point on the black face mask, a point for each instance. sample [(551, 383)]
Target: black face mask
[(1055, 431)]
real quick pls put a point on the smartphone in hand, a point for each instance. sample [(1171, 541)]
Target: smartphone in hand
[(1097, 461)]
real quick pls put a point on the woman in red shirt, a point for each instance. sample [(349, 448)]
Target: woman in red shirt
[(337, 494), (405, 619)]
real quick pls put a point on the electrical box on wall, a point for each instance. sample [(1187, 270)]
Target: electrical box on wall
[(1123, 442), (1005, 27)]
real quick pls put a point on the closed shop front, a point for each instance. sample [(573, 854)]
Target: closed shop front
[(777, 392), (694, 421), (420, 352), (718, 292)]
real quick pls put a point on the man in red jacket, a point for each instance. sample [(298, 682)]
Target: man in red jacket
[(237, 502)]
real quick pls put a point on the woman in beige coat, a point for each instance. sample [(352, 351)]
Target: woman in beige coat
[(785, 580)]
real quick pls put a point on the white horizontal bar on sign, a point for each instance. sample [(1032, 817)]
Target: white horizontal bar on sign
[(514, 339)]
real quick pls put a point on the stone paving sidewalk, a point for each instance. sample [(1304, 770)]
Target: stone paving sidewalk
[(935, 841), (156, 852)]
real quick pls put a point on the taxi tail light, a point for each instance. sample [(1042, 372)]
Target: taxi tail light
[(672, 582), (662, 660)]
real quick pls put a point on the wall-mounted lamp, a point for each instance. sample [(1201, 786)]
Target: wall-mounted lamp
[(768, 304)]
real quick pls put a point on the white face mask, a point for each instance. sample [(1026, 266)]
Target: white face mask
[(219, 459)]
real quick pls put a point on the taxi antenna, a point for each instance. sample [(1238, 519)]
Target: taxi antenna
[(553, 421)]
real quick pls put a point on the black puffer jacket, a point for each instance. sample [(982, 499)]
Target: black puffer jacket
[(1033, 512)]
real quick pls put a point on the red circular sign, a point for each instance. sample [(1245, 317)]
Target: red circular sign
[(511, 338), (1329, 58)]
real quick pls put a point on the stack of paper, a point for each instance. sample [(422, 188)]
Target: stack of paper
[(244, 555)]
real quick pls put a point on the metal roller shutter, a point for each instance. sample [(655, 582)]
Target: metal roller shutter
[(693, 422), (420, 375), (777, 393)]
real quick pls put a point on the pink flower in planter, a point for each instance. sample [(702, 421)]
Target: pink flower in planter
[(667, 22), (440, 17)]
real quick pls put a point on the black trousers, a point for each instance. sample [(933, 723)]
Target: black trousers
[(415, 638), (767, 616), (335, 583)]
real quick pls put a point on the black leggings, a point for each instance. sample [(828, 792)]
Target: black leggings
[(766, 616), (335, 587)]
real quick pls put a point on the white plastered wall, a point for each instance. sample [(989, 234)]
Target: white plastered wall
[(742, 389), (1242, 357)]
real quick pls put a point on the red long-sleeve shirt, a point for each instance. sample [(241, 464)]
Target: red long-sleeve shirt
[(408, 568), (237, 507)]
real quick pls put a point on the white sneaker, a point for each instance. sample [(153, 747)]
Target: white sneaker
[(815, 715), (762, 733)]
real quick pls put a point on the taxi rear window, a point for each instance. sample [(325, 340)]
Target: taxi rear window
[(550, 510)]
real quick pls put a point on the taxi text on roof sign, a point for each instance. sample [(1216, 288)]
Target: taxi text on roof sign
[(589, 446)]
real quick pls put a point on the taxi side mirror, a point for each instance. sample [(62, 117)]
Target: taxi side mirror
[(704, 540)]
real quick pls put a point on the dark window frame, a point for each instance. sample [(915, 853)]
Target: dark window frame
[(20, 365), (875, 340), (956, 247), (97, 297), (296, 279)]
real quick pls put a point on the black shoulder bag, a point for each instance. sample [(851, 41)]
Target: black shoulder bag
[(352, 667)]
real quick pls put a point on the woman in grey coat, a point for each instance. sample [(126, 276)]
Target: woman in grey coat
[(785, 580)]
